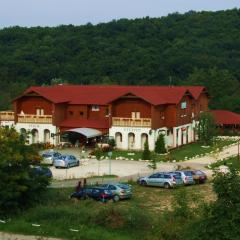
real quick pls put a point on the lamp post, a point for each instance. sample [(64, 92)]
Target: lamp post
[(110, 163)]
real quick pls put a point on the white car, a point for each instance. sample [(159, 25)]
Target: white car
[(66, 161), (49, 157)]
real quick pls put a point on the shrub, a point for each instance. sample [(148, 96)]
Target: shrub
[(160, 144), (146, 155)]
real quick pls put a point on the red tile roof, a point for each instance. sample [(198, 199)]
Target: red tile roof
[(226, 117), (102, 95), (85, 123)]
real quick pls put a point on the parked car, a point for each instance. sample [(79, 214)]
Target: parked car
[(185, 175), (97, 193), (198, 176), (66, 161), (119, 190), (161, 179), (42, 171), (49, 157)]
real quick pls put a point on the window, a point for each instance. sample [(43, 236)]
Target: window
[(135, 115), (162, 115), (95, 108), (183, 105), (39, 111), (107, 112), (81, 113), (154, 175)]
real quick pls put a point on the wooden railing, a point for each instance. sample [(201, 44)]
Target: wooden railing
[(28, 118), (7, 116), (131, 122)]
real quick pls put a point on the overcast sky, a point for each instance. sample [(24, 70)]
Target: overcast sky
[(78, 12)]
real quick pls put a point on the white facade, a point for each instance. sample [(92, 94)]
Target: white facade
[(134, 137), (38, 132), (7, 124)]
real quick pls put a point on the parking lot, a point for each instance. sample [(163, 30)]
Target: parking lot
[(124, 168)]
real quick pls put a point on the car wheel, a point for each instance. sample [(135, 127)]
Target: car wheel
[(143, 183), (167, 185), (116, 198), (77, 163)]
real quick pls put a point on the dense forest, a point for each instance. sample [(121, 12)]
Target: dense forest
[(192, 48)]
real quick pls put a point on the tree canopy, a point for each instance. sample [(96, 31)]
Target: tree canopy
[(191, 48), (20, 184)]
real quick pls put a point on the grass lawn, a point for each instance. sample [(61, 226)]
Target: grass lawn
[(130, 219), (233, 161), (189, 151)]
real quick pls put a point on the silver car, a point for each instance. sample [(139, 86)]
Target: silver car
[(49, 157), (186, 177), (66, 161), (119, 190), (161, 179)]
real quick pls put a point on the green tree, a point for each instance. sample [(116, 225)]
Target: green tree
[(112, 143), (206, 128), (146, 155), (221, 218), (160, 144), (20, 185)]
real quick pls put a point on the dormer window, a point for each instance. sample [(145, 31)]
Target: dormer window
[(183, 105), (95, 108)]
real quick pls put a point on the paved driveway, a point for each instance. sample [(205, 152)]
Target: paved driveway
[(124, 168)]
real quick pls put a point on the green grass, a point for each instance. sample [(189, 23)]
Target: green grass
[(230, 162), (189, 151), (125, 220)]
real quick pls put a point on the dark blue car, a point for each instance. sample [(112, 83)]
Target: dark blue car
[(97, 193), (45, 171)]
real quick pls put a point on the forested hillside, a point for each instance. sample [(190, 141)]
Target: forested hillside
[(193, 48)]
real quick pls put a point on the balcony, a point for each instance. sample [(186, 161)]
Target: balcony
[(131, 122), (28, 118), (6, 116)]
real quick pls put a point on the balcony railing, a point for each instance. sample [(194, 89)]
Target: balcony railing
[(131, 122), (28, 118), (7, 116)]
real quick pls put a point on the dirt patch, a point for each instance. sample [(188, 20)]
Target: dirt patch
[(11, 236)]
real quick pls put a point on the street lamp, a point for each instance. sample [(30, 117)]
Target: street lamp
[(110, 164)]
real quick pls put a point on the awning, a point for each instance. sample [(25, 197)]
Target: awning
[(87, 132)]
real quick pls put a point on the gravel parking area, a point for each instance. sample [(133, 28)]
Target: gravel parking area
[(124, 168)]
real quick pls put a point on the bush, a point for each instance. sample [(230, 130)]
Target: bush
[(146, 155), (160, 144)]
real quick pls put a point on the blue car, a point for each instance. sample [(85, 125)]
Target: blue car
[(66, 161), (98, 193), (45, 171)]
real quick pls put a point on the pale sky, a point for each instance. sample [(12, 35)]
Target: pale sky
[(78, 12)]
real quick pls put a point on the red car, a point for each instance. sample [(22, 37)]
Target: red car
[(199, 176)]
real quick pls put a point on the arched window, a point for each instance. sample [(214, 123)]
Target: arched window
[(35, 136), (46, 135), (144, 138), (118, 139), (131, 140)]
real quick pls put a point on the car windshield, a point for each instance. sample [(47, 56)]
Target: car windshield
[(63, 157), (188, 173), (124, 186), (199, 172), (47, 155)]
